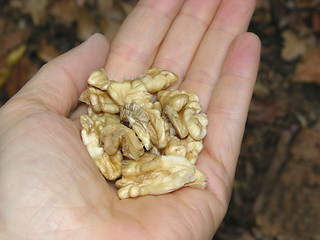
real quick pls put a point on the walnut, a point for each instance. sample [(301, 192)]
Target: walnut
[(99, 80), (160, 125), (200, 181), (187, 147), (117, 135), (150, 145), (139, 120), (183, 109), (195, 123), (157, 175), (129, 92), (147, 123), (156, 79), (99, 100), (193, 149), (110, 166)]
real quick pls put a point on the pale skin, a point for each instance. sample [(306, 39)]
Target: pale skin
[(49, 186)]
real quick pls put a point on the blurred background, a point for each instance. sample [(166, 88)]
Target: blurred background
[(277, 187)]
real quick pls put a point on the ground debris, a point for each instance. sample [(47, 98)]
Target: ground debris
[(308, 69), (277, 186), (276, 190)]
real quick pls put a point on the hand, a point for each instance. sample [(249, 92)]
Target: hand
[(49, 186)]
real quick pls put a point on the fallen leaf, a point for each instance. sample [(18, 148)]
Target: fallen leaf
[(11, 60), (4, 70), (109, 28), (292, 210), (81, 3), (260, 4), (260, 90), (17, 3), (64, 12), (116, 14), (37, 10), (316, 22), (246, 236), (306, 145), (14, 39), (15, 56), (110, 21), (47, 53), (293, 46), (305, 4), (86, 25), (267, 112), (308, 69), (104, 6), (127, 7), (19, 77), (262, 12), (2, 25)]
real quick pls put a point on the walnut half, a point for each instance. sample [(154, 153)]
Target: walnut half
[(162, 174), (149, 146)]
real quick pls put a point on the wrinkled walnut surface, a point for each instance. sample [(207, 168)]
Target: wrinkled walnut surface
[(151, 146)]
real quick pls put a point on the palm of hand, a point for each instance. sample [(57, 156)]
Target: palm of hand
[(63, 193), (50, 180)]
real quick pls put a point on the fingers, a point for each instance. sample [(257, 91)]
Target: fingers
[(228, 107), (183, 38), (138, 40), (232, 18), (59, 83)]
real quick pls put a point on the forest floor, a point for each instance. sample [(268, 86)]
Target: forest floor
[(277, 186)]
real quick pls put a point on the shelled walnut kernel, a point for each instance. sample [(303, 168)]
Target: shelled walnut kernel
[(152, 145)]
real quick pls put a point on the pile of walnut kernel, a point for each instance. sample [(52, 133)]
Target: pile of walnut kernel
[(152, 145)]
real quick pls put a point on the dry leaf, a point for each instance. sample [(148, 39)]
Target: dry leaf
[(293, 46), (115, 14), (306, 145), (110, 21), (262, 112), (2, 25), (17, 3), (3, 70), (127, 7), (304, 4), (260, 90), (12, 40), (104, 6), (246, 236), (316, 22), (262, 13), (19, 76), (37, 10), (86, 25), (308, 69), (65, 12), (10, 62), (81, 3), (261, 4), (47, 53), (109, 28)]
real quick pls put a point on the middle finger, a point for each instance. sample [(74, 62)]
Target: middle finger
[(183, 38), (134, 47)]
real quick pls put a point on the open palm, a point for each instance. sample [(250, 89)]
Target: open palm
[(49, 186)]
